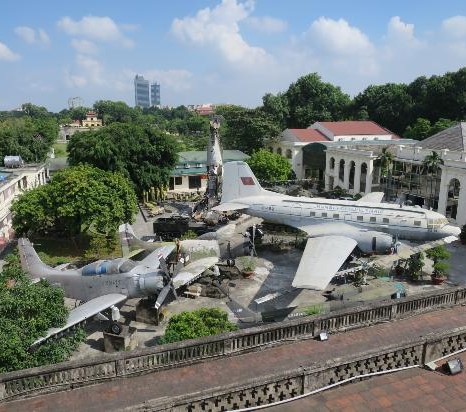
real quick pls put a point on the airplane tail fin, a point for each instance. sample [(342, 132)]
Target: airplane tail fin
[(131, 245), (30, 260), (239, 181)]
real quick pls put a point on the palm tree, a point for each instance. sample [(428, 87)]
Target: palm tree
[(432, 164), (385, 160)]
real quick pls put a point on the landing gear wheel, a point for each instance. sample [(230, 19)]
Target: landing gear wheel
[(115, 328), (230, 262)]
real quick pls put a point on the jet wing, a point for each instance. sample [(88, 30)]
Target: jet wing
[(83, 312), (193, 270), (153, 259), (374, 197), (322, 257), (226, 207)]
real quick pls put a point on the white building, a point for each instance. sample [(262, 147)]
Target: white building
[(13, 182), (345, 154), (292, 141)]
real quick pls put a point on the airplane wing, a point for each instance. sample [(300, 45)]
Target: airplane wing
[(153, 259), (226, 207), (374, 197), (83, 312), (193, 270), (322, 257)]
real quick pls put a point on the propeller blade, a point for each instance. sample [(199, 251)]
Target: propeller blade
[(162, 296), (163, 265)]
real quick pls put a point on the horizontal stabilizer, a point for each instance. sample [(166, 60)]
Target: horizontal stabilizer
[(226, 207), (374, 197), (322, 257)]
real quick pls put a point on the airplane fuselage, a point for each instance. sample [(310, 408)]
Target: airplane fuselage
[(405, 222), (139, 282)]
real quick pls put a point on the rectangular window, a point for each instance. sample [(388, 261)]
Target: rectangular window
[(360, 218), (312, 214), (336, 216), (194, 182), (417, 223), (386, 220), (178, 180), (373, 219), (324, 214)]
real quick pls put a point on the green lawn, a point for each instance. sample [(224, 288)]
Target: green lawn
[(60, 149)]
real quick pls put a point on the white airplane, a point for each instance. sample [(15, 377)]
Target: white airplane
[(334, 227)]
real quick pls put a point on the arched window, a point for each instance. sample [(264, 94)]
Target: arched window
[(288, 154), (332, 163)]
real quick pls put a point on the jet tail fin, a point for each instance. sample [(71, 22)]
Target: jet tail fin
[(239, 181)]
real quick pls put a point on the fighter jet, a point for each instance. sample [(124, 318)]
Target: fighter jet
[(105, 284), (334, 227)]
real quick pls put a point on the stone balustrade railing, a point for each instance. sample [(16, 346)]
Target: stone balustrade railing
[(110, 366), (292, 383)]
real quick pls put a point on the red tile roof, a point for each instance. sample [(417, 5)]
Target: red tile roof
[(355, 127), (308, 135)]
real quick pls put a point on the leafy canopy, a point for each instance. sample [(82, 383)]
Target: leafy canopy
[(75, 199), (196, 324), (143, 154), (269, 166), (27, 311)]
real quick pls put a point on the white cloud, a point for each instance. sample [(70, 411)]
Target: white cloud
[(7, 54), (84, 46), (455, 27), (102, 29), (88, 71), (400, 31), (218, 29), (266, 24), (178, 80), (31, 36), (337, 37)]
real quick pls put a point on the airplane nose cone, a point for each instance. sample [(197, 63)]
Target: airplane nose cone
[(452, 230)]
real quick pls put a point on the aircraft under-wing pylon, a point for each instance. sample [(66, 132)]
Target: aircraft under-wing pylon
[(334, 227)]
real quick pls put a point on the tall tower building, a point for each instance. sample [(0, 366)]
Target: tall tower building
[(155, 94), (141, 92)]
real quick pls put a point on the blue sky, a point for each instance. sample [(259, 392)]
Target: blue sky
[(222, 51)]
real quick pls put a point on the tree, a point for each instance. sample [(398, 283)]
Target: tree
[(197, 324), (245, 129), (269, 166), (385, 160), (30, 138), (441, 124), (432, 164), (111, 112), (419, 130), (144, 154), (438, 254), (390, 105), (310, 100), (27, 311), (76, 199), (415, 265)]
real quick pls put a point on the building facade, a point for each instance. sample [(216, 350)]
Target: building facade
[(155, 94), (141, 92), (68, 130), (190, 173), (13, 182), (412, 176)]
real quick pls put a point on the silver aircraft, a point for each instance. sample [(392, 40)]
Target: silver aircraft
[(334, 227), (106, 283)]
